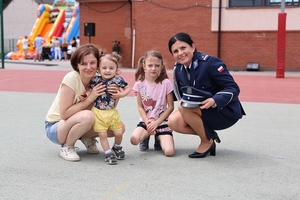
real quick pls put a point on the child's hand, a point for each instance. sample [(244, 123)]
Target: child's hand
[(151, 126)]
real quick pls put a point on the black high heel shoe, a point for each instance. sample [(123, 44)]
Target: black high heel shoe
[(211, 150), (216, 137)]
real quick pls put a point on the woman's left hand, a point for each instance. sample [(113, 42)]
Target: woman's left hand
[(114, 90), (207, 103)]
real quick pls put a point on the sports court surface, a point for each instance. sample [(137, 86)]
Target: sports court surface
[(258, 157)]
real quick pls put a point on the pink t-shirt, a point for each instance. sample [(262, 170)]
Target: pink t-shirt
[(154, 97)]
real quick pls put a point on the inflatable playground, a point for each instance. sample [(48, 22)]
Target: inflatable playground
[(50, 25)]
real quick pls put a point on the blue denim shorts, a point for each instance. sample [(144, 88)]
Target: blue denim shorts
[(51, 131)]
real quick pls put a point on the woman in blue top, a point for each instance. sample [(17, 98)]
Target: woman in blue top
[(207, 95)]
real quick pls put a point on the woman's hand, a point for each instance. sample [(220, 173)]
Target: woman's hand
[(114, 90), (96, 91), (207, 103), (82, 96)]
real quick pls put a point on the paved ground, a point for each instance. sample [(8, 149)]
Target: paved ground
[(258, 158)]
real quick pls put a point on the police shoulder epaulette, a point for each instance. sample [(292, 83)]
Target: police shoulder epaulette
[(204, 57), (176, 64)]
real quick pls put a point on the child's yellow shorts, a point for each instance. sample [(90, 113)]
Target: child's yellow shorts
[(106, 120)]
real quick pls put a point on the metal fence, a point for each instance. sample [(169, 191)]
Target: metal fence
[(9, 45)]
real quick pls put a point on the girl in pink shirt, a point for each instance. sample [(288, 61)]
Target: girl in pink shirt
[(155, 102)]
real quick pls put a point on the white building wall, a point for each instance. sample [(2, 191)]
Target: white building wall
[(253, 18), (18, 18)]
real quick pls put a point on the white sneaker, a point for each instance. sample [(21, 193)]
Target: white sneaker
[(69, 153), (90, 144)]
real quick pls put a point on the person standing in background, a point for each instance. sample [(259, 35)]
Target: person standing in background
[(65, 25), (64, 46), (78, 41), (38, 45), (73, 45), (57, 49), (25, 46)]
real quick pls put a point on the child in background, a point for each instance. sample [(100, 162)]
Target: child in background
[(104, 108), (155, 101)]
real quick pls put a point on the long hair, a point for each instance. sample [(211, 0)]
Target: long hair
[(140, 73)]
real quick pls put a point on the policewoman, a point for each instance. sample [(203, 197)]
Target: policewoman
[(206, 92)]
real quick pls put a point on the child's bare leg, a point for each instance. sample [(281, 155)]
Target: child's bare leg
[(117, 148), (118, 137), (104, 141), (138, 135), (110, 157), (167, 144)]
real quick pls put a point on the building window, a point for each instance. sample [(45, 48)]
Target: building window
[(255, 3)]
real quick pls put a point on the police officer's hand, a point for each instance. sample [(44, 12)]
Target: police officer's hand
[(207, 103)]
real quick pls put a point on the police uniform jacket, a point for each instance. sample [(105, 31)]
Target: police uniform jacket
[(210, 74)]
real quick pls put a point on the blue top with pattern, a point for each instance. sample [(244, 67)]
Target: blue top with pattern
[(105, 102)]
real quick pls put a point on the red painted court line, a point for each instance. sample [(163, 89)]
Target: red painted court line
[(257, 88)]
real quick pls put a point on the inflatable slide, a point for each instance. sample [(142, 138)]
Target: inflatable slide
[(73, 28), (49, 25)]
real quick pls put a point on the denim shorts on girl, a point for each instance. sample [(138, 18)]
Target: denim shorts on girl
[(51, 131)]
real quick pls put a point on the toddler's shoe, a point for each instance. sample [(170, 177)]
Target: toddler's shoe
[(119, 153), (110, 159)]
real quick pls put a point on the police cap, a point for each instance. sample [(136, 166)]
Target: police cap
[(192, 97)]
